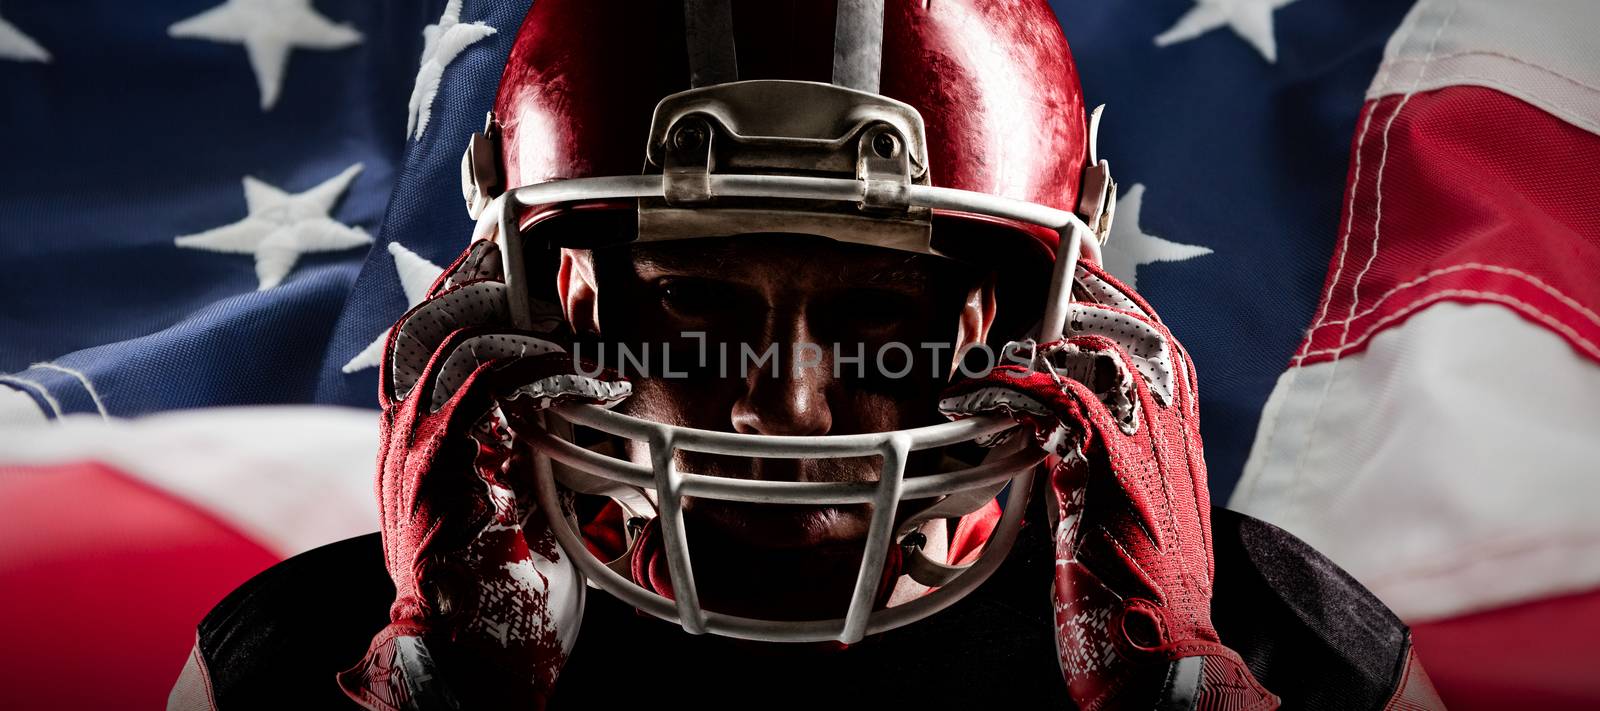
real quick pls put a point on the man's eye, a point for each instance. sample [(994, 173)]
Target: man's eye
[(876, 311), (876, 307), (864, 313), (693, 297)]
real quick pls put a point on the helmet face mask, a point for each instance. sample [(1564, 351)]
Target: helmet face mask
[(801, 157), (776, 334)]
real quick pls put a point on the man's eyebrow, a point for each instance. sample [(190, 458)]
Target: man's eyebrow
[(696, 259), (907, 271)]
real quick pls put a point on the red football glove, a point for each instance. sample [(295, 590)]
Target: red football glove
[(1116, 402), (486, 605)]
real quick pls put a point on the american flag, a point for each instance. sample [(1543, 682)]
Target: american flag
[(1375, 224)]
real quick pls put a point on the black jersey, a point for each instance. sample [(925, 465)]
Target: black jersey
[(1307, 630)]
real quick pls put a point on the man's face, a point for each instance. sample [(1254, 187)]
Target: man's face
[(704, 312)]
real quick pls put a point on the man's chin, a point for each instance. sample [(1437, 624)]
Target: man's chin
[(774, 526), (775, 562)]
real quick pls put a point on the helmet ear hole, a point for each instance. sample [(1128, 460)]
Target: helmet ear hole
[(482, 178)]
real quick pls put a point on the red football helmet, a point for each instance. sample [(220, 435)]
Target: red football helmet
[(954, 128)]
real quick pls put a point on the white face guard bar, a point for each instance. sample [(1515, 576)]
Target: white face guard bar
[(559, 460)]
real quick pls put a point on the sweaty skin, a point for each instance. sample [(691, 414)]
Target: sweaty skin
[(810, 298)]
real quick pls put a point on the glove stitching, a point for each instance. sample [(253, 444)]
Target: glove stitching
[(1120, 464), (1176, 548), (1134, 560), (1184, 574), (1154, 463), (1189, 447), (1158, 463)]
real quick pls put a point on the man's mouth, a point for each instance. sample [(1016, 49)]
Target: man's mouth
[(779, 526), (775, 526)]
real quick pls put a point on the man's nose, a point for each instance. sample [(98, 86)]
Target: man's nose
[(791, 399)]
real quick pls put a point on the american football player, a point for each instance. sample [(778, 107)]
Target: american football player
[(844, 409)]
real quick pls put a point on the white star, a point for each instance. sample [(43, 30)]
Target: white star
[(416, 275), (1130, 247), (19, 47), (1250, 19), (442, 42), (281, 227), (268, 29)]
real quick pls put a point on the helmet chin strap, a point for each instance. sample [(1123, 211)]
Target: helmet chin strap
[(931, 566), (934, 546)]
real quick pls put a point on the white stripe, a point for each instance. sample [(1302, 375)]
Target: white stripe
[(1455, 469), (1377, 225), (93, 394), (1544, 53), (290, 477), (18, 408), (35, 386), (1262, 453)]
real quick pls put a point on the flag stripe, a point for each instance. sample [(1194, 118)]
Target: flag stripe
[(1550, 664), (1488, 199), (1434, 433), (1545, 56), (104, 578), (290, 478), (1441, 497)]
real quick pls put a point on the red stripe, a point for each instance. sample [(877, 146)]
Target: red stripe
[(103, 579), (1540, 655), (1468, 195)]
